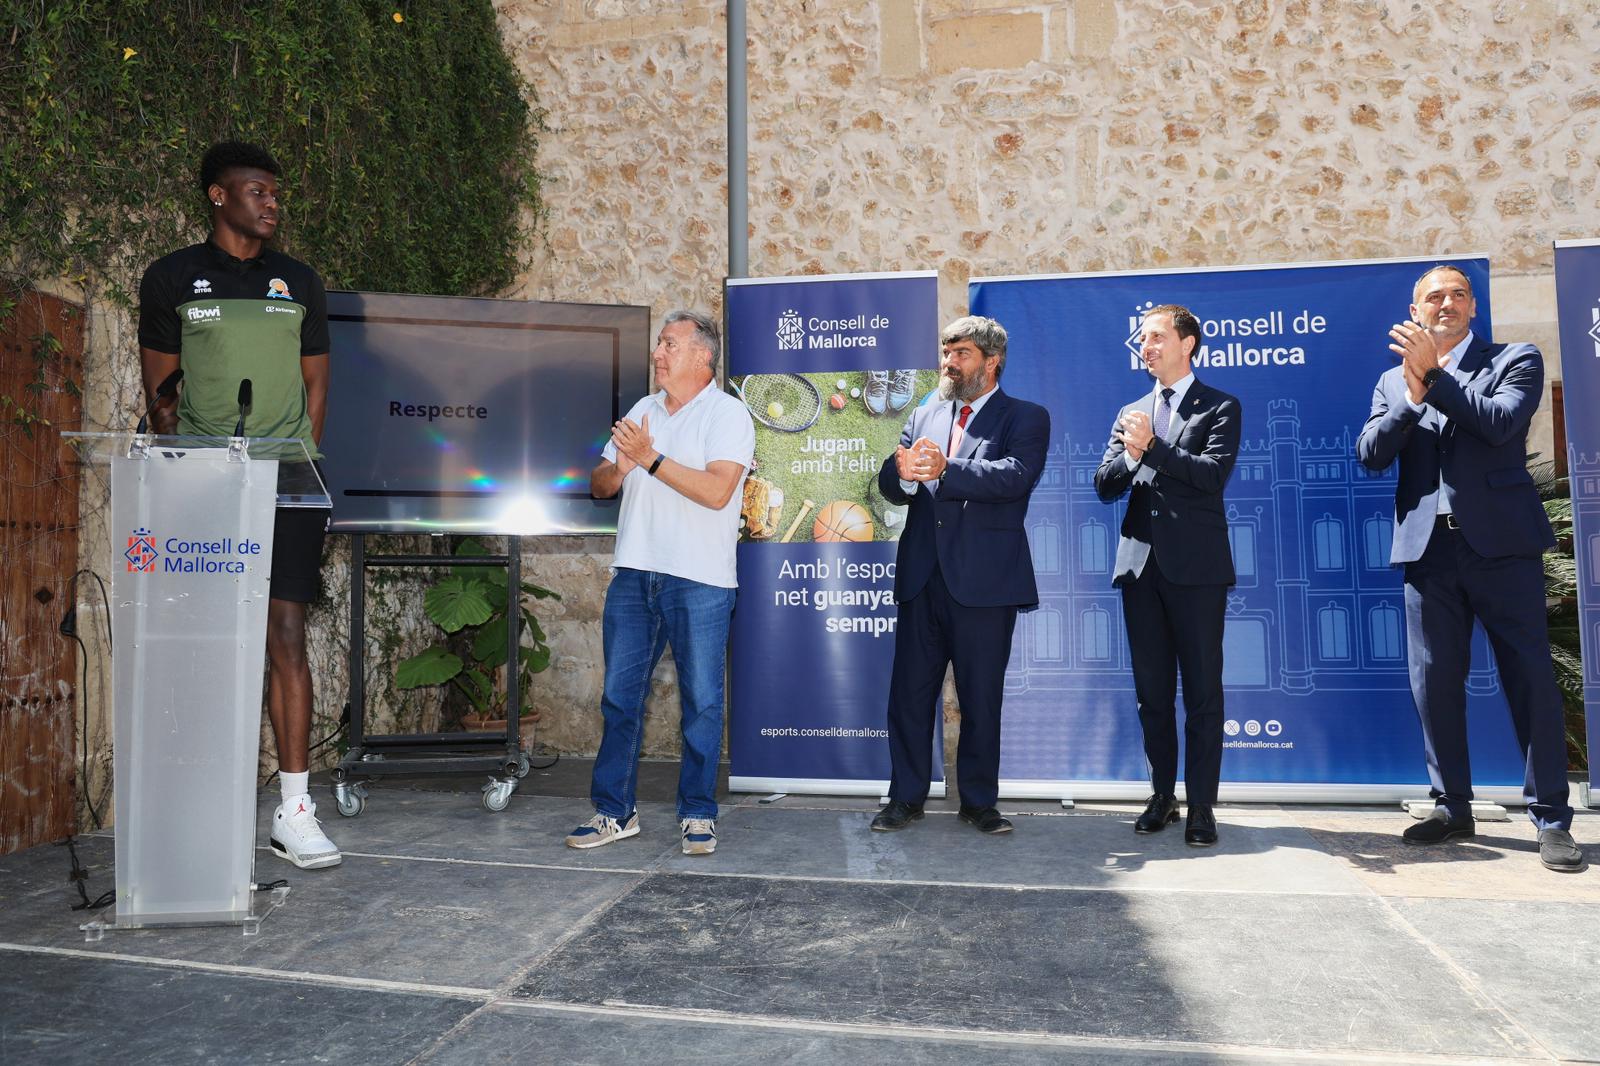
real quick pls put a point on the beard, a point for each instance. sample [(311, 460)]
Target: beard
[(965, 388)]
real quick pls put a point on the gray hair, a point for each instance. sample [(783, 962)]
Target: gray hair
[(986, 334), (706, 332)]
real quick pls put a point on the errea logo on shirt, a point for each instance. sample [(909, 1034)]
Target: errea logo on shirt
[(201, 285), (203, 314)]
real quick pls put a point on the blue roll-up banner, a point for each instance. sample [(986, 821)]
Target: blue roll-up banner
[(830, 368), (1318, 701), (1578, 311)]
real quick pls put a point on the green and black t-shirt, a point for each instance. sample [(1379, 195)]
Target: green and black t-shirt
[(229, 319)]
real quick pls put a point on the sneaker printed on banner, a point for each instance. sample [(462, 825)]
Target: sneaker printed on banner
[(902, 387), (876, 395)]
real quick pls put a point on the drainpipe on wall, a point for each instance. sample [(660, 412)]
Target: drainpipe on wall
[(738, 145)]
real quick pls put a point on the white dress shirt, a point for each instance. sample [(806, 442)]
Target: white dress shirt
[(956, 406), (1180, 389), (1451, 361)]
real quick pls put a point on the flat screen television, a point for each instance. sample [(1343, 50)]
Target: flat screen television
[(460, 415)]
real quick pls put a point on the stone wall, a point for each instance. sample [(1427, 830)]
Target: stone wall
[(987, 137)]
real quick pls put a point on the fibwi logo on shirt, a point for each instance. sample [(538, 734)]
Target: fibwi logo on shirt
[(141, 553)]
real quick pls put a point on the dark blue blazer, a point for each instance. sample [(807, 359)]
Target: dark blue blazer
[(970, 524), (1176, 512), (1476, 456)]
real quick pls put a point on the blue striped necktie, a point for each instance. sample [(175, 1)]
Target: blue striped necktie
[(1163, 414)]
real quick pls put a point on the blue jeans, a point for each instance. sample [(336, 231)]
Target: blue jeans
[(646, 611)]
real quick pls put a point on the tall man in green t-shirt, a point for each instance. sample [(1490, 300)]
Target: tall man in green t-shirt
[(227, 310)]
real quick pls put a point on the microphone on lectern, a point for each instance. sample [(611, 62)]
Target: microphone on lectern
[(164, 391), (244, 405)]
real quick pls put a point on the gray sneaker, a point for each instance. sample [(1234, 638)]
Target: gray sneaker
[(601, 830), (876, 394), (902, 386), (1558, 851), (699, 835)]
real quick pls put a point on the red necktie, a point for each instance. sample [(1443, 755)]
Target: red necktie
[(959, 429)]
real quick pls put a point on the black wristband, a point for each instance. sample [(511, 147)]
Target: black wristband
[(660, 456)]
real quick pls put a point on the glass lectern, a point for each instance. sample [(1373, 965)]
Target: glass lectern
[(191, 546)]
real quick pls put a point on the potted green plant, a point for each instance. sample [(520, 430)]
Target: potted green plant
[(470, 605)]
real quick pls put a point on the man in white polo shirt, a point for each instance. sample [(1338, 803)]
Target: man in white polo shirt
[(679, 459)]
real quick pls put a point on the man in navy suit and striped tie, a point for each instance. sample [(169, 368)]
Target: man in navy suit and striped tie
[(1172, 450), (967, 463), (1471, 532)]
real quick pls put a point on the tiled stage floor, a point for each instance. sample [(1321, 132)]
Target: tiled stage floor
[(453, 935)]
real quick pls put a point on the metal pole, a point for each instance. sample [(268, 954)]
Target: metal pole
[(738, 145)]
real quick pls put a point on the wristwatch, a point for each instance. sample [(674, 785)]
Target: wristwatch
[(1432, 376)]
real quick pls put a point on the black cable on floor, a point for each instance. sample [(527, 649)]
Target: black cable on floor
[(344, 723), (69, 629), (79, 877)]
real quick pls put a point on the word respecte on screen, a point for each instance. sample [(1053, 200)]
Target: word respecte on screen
[(431, 411)]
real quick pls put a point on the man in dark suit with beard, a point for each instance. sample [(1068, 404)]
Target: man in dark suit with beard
[(1172, 451), (1470, 531), (967, 463)]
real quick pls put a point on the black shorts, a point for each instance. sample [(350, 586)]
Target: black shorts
[(297, 534)]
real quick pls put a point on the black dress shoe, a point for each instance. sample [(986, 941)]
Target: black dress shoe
[(1160, 812), (1438, 827), (1200, 831), (896, 815), (987, 819)]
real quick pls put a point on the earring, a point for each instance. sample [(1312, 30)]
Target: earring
[(216, 203)]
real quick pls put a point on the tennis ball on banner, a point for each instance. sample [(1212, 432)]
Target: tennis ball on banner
[(842, 520), (836, 401), (774, 409)]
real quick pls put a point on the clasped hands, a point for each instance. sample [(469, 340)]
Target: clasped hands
[(923, 461), (635, 446), (1419, 353), (1135, 432)]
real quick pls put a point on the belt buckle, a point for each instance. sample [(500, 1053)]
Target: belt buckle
[(1450, 521)]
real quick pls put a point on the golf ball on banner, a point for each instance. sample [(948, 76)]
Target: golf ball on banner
[(774, 409), (840, 384), (855, 394)]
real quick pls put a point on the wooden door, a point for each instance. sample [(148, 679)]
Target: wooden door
[(41, 370)]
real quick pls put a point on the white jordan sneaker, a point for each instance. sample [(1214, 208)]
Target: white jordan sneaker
[(298, 836)]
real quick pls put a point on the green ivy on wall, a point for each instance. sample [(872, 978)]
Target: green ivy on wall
[(406, 136)]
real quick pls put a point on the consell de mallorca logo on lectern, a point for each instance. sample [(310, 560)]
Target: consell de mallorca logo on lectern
[(141, 553), (224, 555)]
